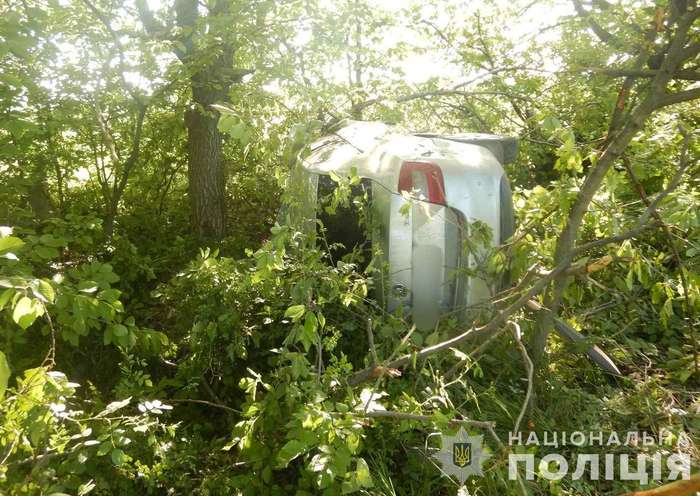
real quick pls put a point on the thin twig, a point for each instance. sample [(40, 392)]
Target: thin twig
[(203, 402), (473, 354), (370, 339), (479, 424), (471, 333), (655, 97), (530, 370), (382, 369), (210, 391), (642, 223), (50, 359), (319, 358)]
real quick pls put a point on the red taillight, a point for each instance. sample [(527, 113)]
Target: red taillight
[(433, 178)]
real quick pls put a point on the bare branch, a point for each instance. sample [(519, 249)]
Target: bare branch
[(598, 356), (133, 157), (203, 402), (370, 339), (473, 354), (691, 51), (679, 97), (425, 94), (439, 93), (479, 424), (685, 75), (615, 146), (529, 367), (106, 135), (474, 332), (598, 243), (440, 33), (149, 22)]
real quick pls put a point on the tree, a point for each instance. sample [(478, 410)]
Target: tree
[(206, 51), (672, 34), (280, 360), (204, 44)]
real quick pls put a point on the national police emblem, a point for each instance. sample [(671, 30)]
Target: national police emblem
[(461, 455)]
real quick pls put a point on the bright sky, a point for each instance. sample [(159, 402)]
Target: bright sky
[(425, 63), (429, 62), (538, 16), (418, 67)]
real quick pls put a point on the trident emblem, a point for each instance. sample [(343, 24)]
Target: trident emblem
[(461, 454)]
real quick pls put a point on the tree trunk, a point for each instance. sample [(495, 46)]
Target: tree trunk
[(205, 173), (211, 79), (205, 170)]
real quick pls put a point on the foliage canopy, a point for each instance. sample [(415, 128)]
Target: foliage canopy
[(165, 331)]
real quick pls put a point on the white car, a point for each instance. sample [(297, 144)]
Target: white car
[(426, 191)]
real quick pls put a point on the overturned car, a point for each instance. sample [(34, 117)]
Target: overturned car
[(427, 192)]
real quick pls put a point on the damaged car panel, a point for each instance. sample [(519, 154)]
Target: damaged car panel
[(426, 191)]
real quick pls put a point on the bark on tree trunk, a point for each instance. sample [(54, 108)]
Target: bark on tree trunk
[(212, 76), (206, 173)]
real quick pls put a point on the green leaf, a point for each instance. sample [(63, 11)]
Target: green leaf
[(10, 243), (107, 337), (110, 295), (44, 291), (120, 330), (226, 123), (299, 365), (290, 451), (551, 124), (352, 442), (104, 448), (307, 336), (319, 462), (114, 406), (52, 241), (237, 131), (5, 297), (363, 476), (46, 252), (295, 312), (350, 486), (4, 374), (118, 456), (25, 312), (87, 286), (358, 479)]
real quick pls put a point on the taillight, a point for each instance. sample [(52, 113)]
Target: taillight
[(422, 176)]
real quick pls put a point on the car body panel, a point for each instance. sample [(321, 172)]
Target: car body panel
[(421, 242)]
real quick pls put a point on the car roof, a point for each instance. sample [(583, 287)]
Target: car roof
[(362, 136)]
